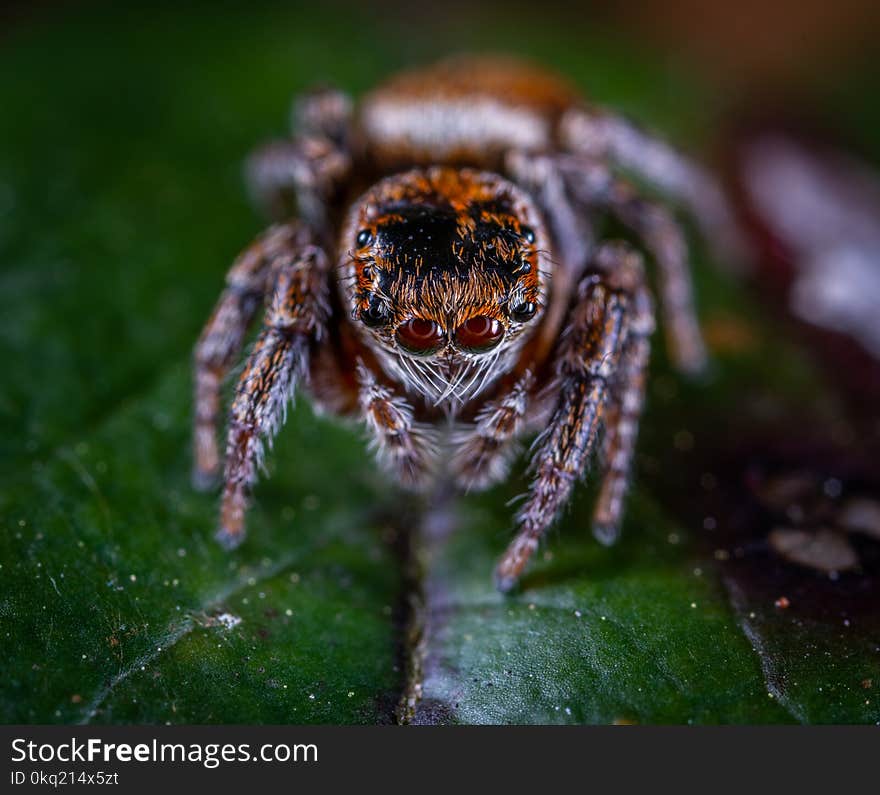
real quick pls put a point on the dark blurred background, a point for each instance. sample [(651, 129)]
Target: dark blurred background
[(750, 43), (798, 53), (746, 45)]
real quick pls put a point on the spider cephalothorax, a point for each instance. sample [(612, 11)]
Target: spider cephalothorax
[(444, 273), (442, 283)]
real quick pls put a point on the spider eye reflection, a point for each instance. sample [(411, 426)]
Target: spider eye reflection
[(528, 234), (524, 311), (374, 315), (364, 238), (420, 336), (479, 334)]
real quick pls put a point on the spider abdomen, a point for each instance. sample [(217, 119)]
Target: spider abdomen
[(466, 110)]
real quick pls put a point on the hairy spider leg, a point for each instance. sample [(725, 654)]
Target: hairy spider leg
[(587, 361), (222, 339), (603, 135), (296, 317), (592, 184), (625, 403), (299, 175), (323, 112)]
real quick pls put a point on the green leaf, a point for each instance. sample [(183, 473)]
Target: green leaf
[(120, 607), (120, 207), (639, 633)]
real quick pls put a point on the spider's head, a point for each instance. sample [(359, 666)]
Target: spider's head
[(444, 272)]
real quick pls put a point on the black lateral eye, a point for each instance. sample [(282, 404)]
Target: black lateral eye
[(364, 238), (374, 315), (528, 234), (523, 311)]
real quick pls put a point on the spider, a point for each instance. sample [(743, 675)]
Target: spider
[(440, 280)]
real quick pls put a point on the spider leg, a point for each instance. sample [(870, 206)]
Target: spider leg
[(587, 361), (299, 175), (323, 112), (541, 175), (593, 184), (603, 135), (403, 448), (666, 242), (223, 336), (296, 316), (485, 450), (622, 422)]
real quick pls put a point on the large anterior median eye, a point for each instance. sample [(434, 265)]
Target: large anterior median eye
[(420, 336), (479, 334)]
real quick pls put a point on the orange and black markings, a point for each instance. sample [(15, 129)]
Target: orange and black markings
[(435, 273)]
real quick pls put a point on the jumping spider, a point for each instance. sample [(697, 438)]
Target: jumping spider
[(443, 284)]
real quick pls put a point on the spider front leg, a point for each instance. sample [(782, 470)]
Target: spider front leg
[(223, 337), (403, 448), (603, 135), (296, 317), (484, 451), (601, 323)]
